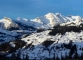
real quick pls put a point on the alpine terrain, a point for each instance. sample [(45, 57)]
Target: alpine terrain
[(50, 37)]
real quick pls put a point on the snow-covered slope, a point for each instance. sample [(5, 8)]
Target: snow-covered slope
[(6, 36), (59, 37), (48, 49), (43, 45)]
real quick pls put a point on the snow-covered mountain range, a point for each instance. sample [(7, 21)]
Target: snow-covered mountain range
[(44, 22), (50, 36)]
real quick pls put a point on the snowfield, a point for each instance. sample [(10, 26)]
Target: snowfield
[(42, 51)]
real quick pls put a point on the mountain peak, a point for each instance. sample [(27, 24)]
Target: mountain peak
[(49, 15), (7, 23), (57, 14), (6, 18)]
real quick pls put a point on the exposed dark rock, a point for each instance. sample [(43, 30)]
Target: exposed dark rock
[(40, 30), (63, 29), (47, 43), (5, 47)]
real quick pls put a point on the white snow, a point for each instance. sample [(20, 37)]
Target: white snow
[(7, 23), (12, 44), (43, 52), (49, 20), (36, 39)]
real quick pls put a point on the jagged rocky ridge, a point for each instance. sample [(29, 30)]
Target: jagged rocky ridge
[(52, 37)]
